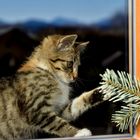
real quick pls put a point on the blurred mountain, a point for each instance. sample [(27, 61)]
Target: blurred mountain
[(3, 23), (117, 22), (33, 25)]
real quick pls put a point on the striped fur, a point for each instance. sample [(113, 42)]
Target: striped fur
[(37, 96)]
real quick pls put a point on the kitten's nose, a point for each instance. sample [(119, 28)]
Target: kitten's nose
[(75, 75)]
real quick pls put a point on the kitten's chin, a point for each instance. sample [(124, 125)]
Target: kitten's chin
[(66, 81)]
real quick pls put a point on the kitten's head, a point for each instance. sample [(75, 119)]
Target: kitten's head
[(62, 55)]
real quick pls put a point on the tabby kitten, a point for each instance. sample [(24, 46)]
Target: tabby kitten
[(37, 96)]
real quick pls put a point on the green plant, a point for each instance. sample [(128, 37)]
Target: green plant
[(121, 86)]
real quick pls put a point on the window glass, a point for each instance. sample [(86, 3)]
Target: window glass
[(105, 23)]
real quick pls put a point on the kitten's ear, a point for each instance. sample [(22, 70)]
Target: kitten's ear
[(81, 47), (67, 41)]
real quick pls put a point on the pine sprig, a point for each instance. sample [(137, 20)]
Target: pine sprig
[(126, 115), (121, 86)]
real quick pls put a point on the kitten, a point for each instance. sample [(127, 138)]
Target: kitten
[(37, 96)]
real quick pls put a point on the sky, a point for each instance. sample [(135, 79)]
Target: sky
[(86, 11)]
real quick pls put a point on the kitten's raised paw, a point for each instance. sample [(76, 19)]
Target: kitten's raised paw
[(95, 96), (83, 132)]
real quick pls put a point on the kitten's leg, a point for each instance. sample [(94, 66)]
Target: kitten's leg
[(51, 123), (82, 103)]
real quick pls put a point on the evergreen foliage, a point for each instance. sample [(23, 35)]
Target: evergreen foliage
[(121, 86)]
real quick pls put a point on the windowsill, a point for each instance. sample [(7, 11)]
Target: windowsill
[(100, 137)]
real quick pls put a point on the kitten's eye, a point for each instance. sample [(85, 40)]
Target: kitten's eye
[(70, 64)]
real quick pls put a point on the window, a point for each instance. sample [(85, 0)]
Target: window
[(107, 24)]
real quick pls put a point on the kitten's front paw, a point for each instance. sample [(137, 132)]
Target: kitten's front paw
[(83, 132), (95, 96), (105, 96)]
